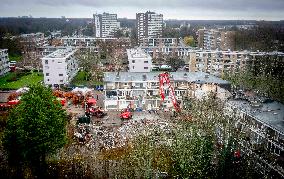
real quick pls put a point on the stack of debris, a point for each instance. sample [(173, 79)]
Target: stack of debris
[(101, 137)]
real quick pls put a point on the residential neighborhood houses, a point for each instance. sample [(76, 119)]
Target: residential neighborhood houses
[(113, 75), (141, 90)]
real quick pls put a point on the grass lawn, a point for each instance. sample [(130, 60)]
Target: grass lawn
[(80, 79), (15, 58), (21, 82)]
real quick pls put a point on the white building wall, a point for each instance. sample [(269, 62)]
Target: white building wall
[(141, 26), (97, 25), (155, 25), (139, 61), (109, 24), (59, 70), (149, 24), (105, 24)]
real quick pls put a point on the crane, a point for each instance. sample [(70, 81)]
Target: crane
[(164, 79)]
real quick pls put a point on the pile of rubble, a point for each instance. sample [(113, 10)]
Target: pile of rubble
[(101, 137)]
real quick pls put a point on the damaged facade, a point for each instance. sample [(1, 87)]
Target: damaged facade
[(261, 122), (141, 90)]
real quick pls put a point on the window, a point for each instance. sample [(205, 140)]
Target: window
[(60, 74), (145, 61), (132, 67), (59, 62), (61, 81), (47, 79), (133, 61), (46, 61), (145, 67), (47, 74)]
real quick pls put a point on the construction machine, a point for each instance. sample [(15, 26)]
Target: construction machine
[(164, 80)]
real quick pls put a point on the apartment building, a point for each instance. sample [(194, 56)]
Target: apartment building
[(105, 24), (4, 62), (149, 25), (261, 121), (200, 37), (208, 39), (212, 39), (228, 40), (220, 62), (160, 42), (59, 67), (141, 90), (139, 61), (85, 41), (161, 52), (217, 62), (158, 47), (46, 50), (98, 25), (141, 26), (31, 41), (30, 44)]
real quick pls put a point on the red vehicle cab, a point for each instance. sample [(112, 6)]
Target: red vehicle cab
[(14, 102), (98, 112), (126, 114)]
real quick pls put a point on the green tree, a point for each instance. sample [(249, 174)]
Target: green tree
[(88, 30), (175, 62), (35, 128), (87, 60), (14, 47), (118, 33), (171, 32), (189, 41)]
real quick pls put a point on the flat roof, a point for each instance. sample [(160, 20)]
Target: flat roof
[(61, 53), (137, 54), (3, 50), (92, 38), (270, 114), (198, 77)]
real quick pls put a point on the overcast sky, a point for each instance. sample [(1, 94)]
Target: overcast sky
[(172, 9)]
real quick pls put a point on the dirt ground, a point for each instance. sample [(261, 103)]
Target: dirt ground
[(111, 131)]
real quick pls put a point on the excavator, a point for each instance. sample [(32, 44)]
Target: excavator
[(126, 114)]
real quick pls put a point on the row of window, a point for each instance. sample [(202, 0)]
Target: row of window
[(61, 81), (47, 74), (46, 62), (133, 61), (144, 67)]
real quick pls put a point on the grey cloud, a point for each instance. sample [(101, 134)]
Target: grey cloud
[(215, 9), (237, 5)]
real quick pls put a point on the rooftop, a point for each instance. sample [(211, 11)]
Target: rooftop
[(88, 37), (61, 53), (198, 77), (270, 114), (137, 53), (3, 50), (38, 34)]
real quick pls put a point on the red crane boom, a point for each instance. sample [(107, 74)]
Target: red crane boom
[(165, 79)]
